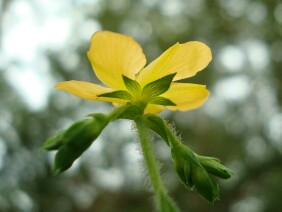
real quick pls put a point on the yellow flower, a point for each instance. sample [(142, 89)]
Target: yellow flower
[(118, 61)]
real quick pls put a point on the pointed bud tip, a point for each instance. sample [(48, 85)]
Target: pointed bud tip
[(56, 171)]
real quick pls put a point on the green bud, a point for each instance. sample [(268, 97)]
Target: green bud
[(192, 173), (81, 134), (55, 142), (204, 183), (213, 166), (183, 158), (76, 139), (64, 159)]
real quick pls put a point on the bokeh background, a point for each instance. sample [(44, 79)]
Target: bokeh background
[(43, 42)]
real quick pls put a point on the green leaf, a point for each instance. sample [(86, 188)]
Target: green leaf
[(55, 142), (118, 95), (131, 85), (159, 86), (157, 124), (162, 101)]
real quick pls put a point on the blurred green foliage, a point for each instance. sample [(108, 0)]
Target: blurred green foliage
[(241, 123)]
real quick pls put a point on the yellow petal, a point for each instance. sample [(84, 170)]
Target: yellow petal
[(184, 59), (153, 109), (86, 90), (186, 96), (113, 55)]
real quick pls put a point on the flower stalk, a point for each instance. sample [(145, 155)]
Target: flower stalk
[(164, 203)]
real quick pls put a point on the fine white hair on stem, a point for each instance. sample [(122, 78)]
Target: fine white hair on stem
[(172, 128), (175, 132), (142, 164)]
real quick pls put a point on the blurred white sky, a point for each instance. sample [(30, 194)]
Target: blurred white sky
[(30, 28)]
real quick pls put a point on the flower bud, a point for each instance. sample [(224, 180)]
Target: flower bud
[(182, 164), (192, 173), (64, 159), (76, 139), (213, 166), (204, 183), (55, 142), (82, 133)]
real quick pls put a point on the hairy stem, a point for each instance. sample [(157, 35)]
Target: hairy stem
[(147, 150), (165, 204)]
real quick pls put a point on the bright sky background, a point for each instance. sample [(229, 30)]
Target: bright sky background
[(30, 28)]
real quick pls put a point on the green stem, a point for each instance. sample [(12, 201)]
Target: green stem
[(125, 112), (147, 150), (116, 112), (173, 140), (165, 204)]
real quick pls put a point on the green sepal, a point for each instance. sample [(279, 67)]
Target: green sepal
[(55, 142), (131, 85), (64, 159), (159, 86), (121, 94), (214, 167), (83, 132), (162, 101), (98, 116), (183, 158), (156, 124), (204, 184)]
